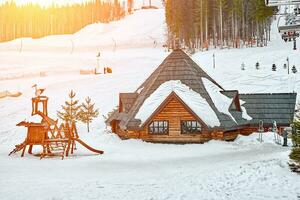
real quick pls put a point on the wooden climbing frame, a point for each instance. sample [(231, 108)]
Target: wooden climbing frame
[(55, 140)]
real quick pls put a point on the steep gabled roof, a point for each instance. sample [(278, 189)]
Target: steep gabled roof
[(177, 66)]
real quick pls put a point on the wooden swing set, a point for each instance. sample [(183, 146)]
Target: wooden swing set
[(55, 140)]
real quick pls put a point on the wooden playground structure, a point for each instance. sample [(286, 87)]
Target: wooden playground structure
[(56, 140)]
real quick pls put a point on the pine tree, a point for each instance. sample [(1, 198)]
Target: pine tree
[(294, 69), (284, 66), (274, 67), (34, 20), (295, 153), (257, 65), (88, 112), (243, 66), (200, 24), (70, 111)]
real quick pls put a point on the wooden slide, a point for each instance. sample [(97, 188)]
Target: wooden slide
[(88, 147)]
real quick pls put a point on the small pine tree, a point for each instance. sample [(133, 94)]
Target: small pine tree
[(274, 67), (70, 111), (243, 67), (284, 66), (257, 65), (297, 114), (294, 69), (88, 112)]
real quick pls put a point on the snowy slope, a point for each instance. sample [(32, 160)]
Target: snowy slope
[(137, 30), (228, 67), (244, 169)]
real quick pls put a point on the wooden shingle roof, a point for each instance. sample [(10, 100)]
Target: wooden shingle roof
[(127, 100), (177, 66)]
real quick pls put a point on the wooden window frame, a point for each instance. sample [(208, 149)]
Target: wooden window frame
[(191, 132), (158, 127)]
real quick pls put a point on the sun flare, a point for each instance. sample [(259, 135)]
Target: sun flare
[(45, 2)]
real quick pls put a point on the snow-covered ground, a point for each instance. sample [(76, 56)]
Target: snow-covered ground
[(244, 169), (132, 169)]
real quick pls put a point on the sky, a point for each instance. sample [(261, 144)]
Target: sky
[(64, 2), (46, 2)]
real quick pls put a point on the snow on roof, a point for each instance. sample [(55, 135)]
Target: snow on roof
[(191, 98), (245, 114), (34, 119), (244, 111), (221, 101)]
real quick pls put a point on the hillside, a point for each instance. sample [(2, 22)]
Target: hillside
[(132, 169)]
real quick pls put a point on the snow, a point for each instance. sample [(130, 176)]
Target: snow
[(245, 114), (34, 119), (191, 98), (132, 169), (221, 101), (228, 71), (244, 169)]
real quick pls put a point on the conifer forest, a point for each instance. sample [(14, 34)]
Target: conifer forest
[(218, 23), (35, 21)]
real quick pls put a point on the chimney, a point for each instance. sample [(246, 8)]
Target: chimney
[(176, 45)]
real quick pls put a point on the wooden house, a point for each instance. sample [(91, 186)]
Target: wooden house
[(181, 103)]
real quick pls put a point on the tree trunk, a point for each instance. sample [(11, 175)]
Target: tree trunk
[(221, 23)]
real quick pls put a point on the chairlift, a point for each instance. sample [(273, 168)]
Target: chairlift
[(297, 10), (291, 23), (289, 32), (281, 2), (289, 36), (291, 28)]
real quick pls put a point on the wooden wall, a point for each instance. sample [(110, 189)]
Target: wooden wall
[(174, 112)]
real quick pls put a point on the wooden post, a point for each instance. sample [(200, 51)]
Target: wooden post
[(23, 150), (45, 106), (30, 149)]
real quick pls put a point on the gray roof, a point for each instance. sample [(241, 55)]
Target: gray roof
[(270, 107)]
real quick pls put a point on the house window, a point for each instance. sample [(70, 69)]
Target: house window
[(159, 127), (190, 127)]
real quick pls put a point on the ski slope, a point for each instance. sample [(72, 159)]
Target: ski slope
[(228, 67), (132, 169)]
